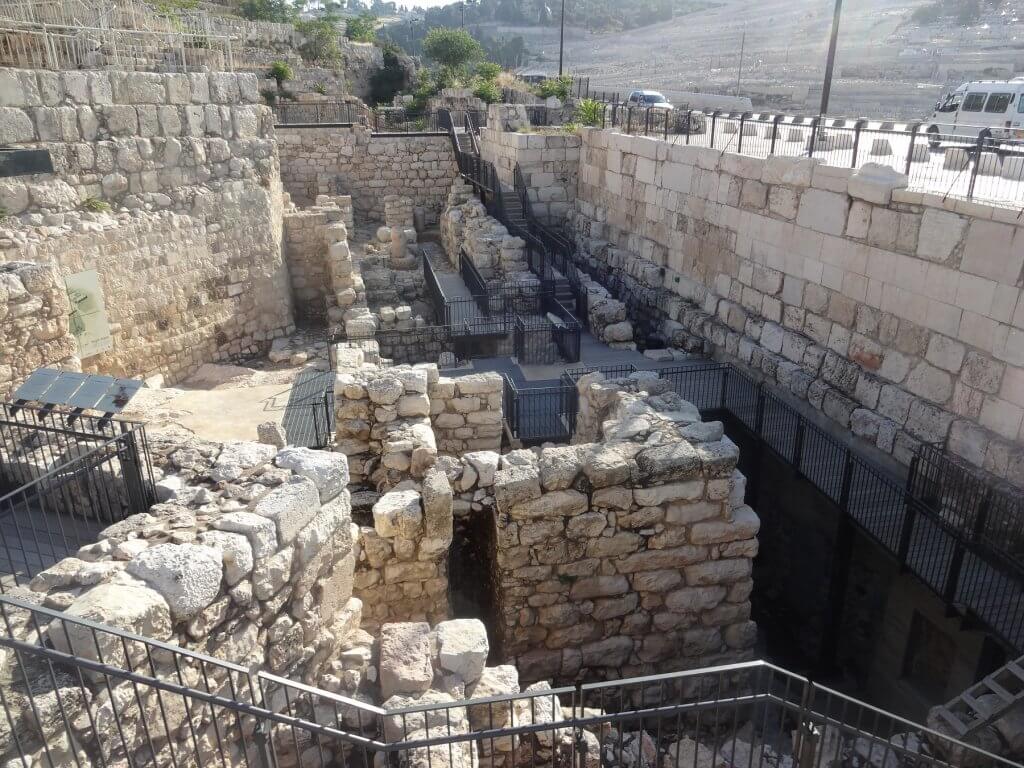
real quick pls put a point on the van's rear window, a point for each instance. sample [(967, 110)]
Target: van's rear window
[(997, 103), (973, 103)]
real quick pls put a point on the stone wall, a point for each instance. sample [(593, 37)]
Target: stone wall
[(402, 559), (33, 321), (466, 413), (249, 559), (896, 313), (349, 160), (319, 260), (628, 555), (167, 185), (549, 163), (467, 228)]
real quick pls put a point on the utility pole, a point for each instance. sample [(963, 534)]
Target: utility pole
[(561, 39), (739, 69), (830, 62), (463, 4)]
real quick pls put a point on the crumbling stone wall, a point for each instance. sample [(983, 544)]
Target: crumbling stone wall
[(629, 555), (382, 422), (249, 559), (402, 559), (549, 163), (319, 260), (897, 314), (349, 160), (466, 413), (34, 321), (467, 228)]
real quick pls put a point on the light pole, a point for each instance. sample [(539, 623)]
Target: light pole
[(561, 39), (830, 62)]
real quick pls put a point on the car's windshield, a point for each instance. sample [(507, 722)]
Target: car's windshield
[(653, 98)]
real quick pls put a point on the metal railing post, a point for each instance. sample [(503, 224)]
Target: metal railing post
[(977, 164), (667, 112), (714, 122), (629, 120), (909, 512), (910, 150), (743, 121), (857, 127), (847, 482), (815, 122), (775, 133), (798, 444), (689, 124), (724, 389), (759, 412)]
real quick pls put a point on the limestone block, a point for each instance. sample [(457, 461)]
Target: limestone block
[(260, 531), (291, 506), (494, 681), (485, 464), (405, 653), (186, 575), (270, 574), (398, 514), (235, 551), (333, 515), (134, 608), (328, 471), (823, 211), (236, 457), (462, 648), (875, 183)]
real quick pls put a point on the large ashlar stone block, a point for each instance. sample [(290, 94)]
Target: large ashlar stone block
[(398, 513), (327, 470), (462, 647), (823, 211), (187, 576), (405, 653), (134, 608), (875, 183), (291, 506)]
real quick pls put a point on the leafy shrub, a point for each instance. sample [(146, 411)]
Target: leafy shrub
[(556, 86), (488, 70), (280, 11), (320, 41), (281, 71), (589, 112), (95, 205), (320, 87), (269, 96), (451, 48), (361, 28), (487, 91)]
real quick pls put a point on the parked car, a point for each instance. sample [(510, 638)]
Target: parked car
[(995, 106), (651, 99)]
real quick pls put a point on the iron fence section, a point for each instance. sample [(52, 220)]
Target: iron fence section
[(399, 120), (952, 160), (66, 476), (972, 567), (315, 112), (535, 415), (119, 698)]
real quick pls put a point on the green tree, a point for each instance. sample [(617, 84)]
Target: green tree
[(488, 70), (320, 40), (361, 28), (280, 11), (281, 71), (487, 91), (451, 48)]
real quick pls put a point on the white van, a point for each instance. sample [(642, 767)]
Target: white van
[(995, 105)]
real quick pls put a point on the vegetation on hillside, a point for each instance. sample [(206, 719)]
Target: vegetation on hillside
[(964, 12)]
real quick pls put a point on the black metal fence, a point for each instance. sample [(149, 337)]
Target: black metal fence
[(538, 414), (316, 112), (174, 706), (953, 160), (65, 476)]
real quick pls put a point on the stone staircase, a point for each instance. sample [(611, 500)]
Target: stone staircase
[(996, 700)]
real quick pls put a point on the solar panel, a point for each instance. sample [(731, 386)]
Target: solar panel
[(77, 390), (90, 392), (36, 385)]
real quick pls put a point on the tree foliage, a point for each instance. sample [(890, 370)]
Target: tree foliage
[(320, 40), (281, 71), (361, 28), (280, 11), (451, 48)]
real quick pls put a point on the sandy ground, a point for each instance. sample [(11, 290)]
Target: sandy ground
[(219, 402)]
